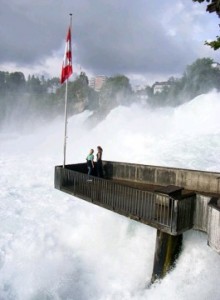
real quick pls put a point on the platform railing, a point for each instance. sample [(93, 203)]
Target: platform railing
[(168, 209), (160, 211)]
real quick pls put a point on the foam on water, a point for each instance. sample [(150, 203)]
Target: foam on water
[(54, 246)]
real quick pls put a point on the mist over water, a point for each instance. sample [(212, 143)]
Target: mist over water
[(55, 246)]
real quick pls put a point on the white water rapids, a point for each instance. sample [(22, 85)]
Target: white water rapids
[(55, 246)]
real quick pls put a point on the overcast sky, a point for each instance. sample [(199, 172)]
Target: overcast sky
[(143, 39)]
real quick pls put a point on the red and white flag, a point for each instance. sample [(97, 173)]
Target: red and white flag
[(67, 60)]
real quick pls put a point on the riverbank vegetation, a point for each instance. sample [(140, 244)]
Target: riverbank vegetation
[(22, 98)]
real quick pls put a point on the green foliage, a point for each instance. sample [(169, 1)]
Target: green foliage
[(42, 97), (200, 1), (116, 90), (35, 85), (3, 82), (16, 81), (214, 44), (11, 82), (80, 95), (45, 97), (198, 78), (201, 77), (214, 6), (79, 89)]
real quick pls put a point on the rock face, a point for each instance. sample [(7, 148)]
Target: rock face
[(80, 105)]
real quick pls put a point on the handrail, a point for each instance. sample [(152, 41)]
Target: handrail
[(147, 207), (168, 211)]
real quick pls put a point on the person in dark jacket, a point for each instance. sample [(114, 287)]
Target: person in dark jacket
[(99, 161), (90, 162)]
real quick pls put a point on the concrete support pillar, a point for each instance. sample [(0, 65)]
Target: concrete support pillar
[(166, 252)]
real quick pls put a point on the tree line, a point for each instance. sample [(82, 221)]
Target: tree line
[(200, 77), (37, 96)]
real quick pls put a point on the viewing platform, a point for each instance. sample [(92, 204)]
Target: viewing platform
[(171, 200)]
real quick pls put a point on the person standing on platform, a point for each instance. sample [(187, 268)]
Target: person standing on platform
[(90, 162), (99, 162)]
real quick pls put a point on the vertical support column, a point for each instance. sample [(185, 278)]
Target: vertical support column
[(58, 177), (167, 250), (213, 224)]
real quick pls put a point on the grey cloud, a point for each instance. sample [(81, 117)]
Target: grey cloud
[(128, 39), (110, 36), (28, 32)]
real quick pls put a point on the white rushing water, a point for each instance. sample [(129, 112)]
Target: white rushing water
[(55, 246)]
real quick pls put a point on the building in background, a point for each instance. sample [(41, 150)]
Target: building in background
[(158, 87), (92, 82), (97, 82), (140, 92)]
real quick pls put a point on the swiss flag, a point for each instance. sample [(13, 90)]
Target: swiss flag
[(67, 60)]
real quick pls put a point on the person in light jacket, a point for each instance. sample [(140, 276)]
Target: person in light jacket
[(90, 162)]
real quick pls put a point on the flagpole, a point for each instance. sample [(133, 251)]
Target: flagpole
[(65, 112), (65, 125)]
